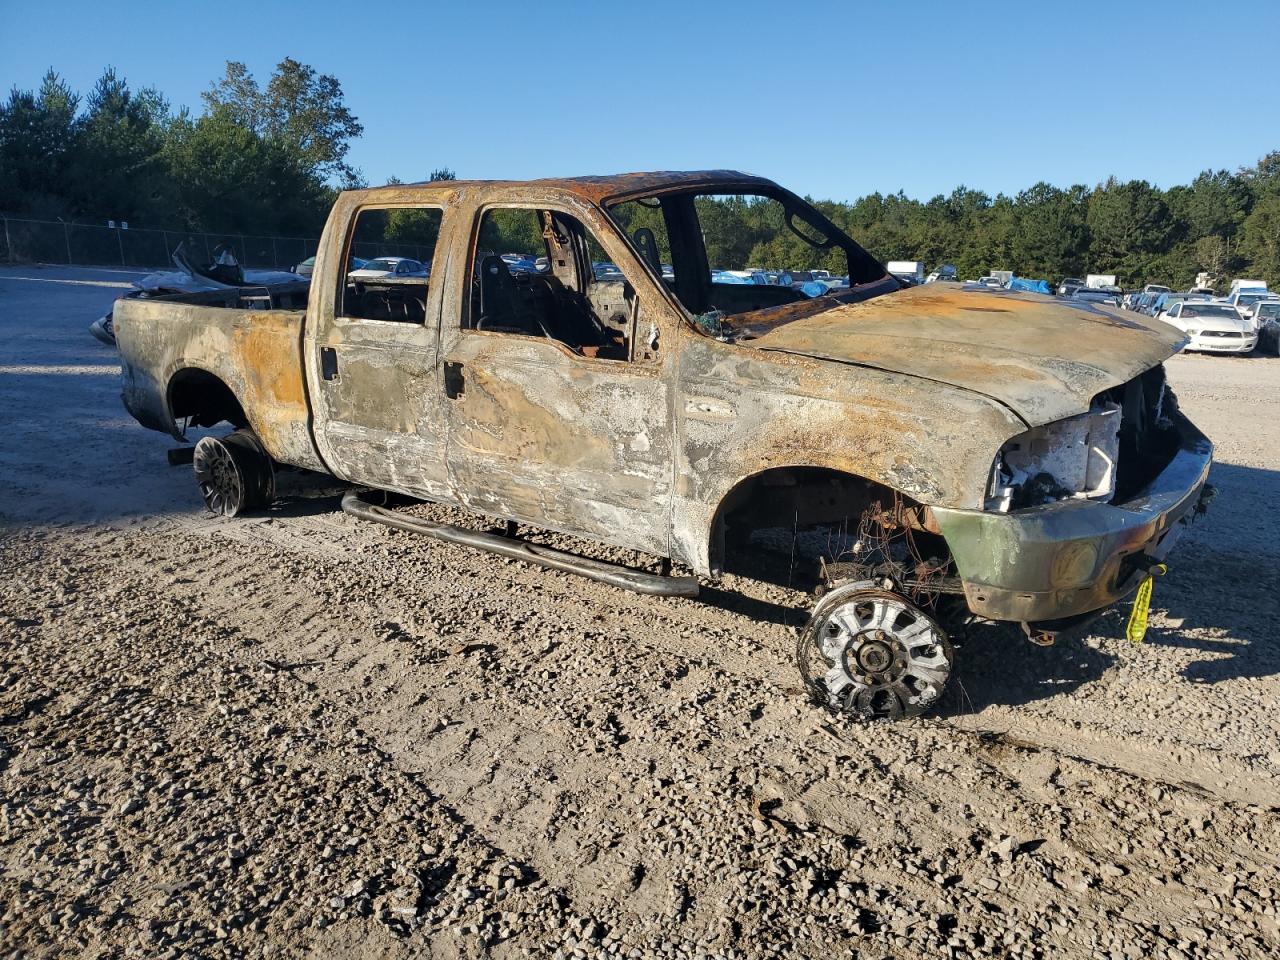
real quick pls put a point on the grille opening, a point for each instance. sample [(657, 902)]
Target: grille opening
[(1148, 434)]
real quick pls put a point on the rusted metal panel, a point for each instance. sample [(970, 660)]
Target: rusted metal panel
[(256, 353), (1074, 556), (573, 444), (742, 412), (1045, 359)]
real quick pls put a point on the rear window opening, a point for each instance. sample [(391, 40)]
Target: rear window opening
[(389, 254)]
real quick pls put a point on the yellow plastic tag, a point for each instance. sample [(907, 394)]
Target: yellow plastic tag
[(1137, 628)]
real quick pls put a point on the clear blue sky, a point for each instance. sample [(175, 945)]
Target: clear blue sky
[(833, 100)]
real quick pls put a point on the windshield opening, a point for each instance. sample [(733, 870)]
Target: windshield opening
[(1208, 310), (723, 253)]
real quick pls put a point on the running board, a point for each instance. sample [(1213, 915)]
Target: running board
[(653, 584)]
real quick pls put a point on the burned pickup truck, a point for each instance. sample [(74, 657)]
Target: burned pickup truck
[(938, 452)]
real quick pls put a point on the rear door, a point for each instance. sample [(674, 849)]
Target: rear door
[(373, 350)]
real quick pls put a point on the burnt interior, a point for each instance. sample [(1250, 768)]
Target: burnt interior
[(593, 315), (1148, 436)]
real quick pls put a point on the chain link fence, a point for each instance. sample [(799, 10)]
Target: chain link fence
[(86, 244)]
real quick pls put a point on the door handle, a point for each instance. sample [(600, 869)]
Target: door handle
[(454, 383), (328, 363)]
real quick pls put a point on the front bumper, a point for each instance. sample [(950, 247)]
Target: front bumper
[(1231, 344), (1076, 556)]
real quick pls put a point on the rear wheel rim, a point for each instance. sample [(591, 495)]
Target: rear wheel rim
[(221, 481)]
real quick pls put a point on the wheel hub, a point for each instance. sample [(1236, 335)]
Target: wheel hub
[(872, 653), (874, 656)]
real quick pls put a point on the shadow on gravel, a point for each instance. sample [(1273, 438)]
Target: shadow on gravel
[(1232, 597), (753, 608), (302, 493), (998, 666), (1222, 581)]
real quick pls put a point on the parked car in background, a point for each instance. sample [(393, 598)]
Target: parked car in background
[(995, 283), (1267, 320), (304, 268), (1146, 303), (1245, 299), (520, 263), (1242, 283), (908, 271), (1130, 301), (1155, 288), (1165, 301), (609, 271), (1212, 327), (1069, 285), (1105, 297), (380, 268)]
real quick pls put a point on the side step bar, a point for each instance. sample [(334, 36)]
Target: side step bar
[(653, 584)]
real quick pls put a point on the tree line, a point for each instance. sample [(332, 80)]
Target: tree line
[(266, 158), (269, 158)]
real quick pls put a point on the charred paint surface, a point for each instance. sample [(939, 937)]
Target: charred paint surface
[(915, 391), (1044, 359), (933, 442), (579, 445), (255, 353)]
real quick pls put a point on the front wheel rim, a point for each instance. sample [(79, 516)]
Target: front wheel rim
[(874, 655)]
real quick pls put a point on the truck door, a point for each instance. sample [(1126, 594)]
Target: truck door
[(372, 350), (556, 384)]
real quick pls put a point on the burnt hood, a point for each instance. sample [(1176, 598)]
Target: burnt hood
[(1041, 357)]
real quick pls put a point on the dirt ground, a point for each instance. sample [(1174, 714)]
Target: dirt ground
[(300, 734)]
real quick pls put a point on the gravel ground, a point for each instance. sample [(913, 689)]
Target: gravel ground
[(300, 734)]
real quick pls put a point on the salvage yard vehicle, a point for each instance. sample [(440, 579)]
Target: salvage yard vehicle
[(1212, 327), (382, 267), (1267, 317), (926, 454)]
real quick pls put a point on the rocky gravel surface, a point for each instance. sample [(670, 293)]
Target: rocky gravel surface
[(299, 734)]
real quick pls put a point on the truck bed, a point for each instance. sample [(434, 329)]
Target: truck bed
[(247, 341)]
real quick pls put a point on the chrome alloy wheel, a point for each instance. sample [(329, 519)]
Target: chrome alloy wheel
[(873, 654)]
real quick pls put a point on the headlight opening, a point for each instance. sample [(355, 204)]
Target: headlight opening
[(1075, 458)]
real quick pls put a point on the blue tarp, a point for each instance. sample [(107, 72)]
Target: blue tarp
[(1029, 286)]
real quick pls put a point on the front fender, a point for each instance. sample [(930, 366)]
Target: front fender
[(741, 412)]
